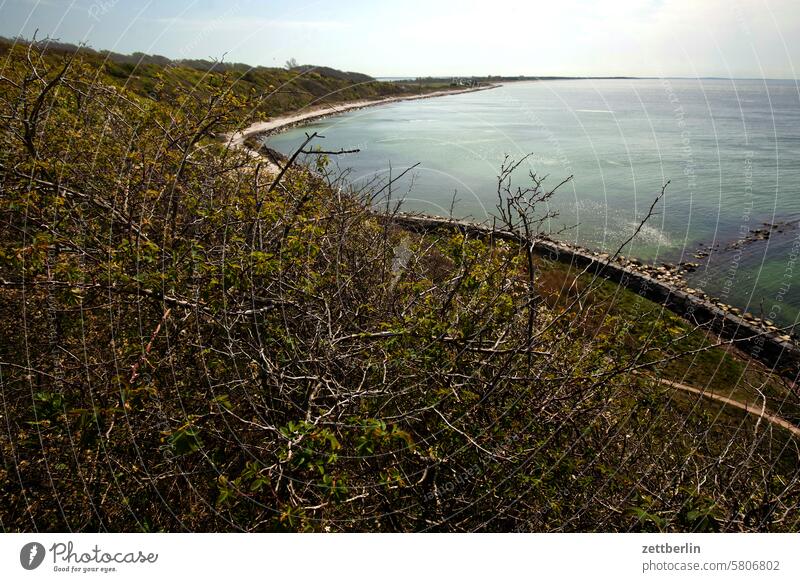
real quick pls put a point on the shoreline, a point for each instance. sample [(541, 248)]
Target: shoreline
[(283, 122)]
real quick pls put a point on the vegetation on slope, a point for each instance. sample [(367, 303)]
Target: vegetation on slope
[(269, 91), (187, 344)]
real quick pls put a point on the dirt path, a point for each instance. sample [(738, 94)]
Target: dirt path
[(749, 408)]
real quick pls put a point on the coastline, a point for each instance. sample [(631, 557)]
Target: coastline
[(282, 122), (760, 339)]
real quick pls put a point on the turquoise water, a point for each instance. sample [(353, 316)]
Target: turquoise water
[(730, 149)]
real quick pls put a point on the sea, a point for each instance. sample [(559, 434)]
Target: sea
[(728, 151)]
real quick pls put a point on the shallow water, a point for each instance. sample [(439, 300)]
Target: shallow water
[(730, 149)]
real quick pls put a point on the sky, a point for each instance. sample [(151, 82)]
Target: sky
[(725, 38)]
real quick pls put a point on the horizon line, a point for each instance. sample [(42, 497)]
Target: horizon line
[(84, 46), (578, 77)]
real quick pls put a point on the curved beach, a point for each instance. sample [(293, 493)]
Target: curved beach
[(285, 121)]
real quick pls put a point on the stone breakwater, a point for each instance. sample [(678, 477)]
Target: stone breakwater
[(663, 284)]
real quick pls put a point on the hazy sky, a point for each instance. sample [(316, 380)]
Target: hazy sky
[(731, 38)]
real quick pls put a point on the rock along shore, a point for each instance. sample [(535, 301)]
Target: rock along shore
[(761, 339)]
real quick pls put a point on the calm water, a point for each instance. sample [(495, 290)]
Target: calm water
[(731, 150)]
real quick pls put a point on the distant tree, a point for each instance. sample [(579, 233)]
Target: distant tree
[(291, 64)]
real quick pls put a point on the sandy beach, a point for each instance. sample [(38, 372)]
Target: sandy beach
[(281, 122)]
